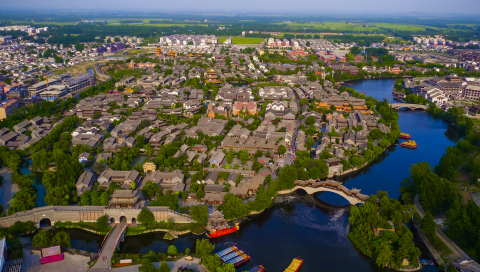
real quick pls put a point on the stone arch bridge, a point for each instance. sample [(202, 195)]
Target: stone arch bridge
[(313, 186), (91, 214), (398, 106)]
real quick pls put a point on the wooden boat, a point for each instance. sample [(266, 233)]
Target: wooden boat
[(295, 265), (409, 144)]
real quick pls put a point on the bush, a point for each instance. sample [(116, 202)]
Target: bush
[(172, 250), (223, 175)]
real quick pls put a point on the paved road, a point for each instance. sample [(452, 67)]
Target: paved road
[(457, 252), (109, 247), (71, 263)]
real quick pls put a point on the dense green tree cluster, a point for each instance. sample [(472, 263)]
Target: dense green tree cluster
[(211, 261), (234, 207), (24, 199), (200, 214), (463, 226), (95, 197), (124, 159), (151, 189), (168, 199), (303, 168), (60, 185), (60, 135), (18, 228), (437, 195), (145, 216), (44, 239), (390, 247)]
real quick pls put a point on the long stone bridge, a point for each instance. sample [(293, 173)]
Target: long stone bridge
[(312, 186), (398, 106), (90, 214)]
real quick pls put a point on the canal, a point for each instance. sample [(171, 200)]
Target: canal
[(316, 227)]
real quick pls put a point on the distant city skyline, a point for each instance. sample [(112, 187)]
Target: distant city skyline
[(309, 7)]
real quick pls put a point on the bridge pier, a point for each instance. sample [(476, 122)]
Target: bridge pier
[(122, 239)]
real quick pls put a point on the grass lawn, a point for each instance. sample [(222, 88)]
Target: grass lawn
[(76, 69), (242, 40), (134, 52)]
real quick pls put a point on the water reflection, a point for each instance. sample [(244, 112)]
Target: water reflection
[(41, 191)]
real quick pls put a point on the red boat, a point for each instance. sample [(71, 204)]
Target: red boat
[(404, 136), (409, 144), (237, 261), (214, 233)]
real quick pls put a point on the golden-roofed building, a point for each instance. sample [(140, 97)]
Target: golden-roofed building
[(172, 54), (322, 105), (212, 77), (149, 167), (159, 51)]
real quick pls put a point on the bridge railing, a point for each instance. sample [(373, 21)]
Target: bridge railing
[(339, 188)]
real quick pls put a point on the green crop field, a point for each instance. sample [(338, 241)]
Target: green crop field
[(342, 26), (400, 27), (241, 40), (329, 26)]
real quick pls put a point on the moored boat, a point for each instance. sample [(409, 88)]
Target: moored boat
[(214, 233), (226, 251), (295, 265), (231, 255), (426, 262), (404, 136), (237, 261), (409, 144), (258, 268)]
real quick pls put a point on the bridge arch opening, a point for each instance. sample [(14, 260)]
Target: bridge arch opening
[(134, 221), (112, 220), (332, 198), (45, 222), (123, 219)]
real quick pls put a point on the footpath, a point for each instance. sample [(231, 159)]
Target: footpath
[(109, 247), (457, 253)]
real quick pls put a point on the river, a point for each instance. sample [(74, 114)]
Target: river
[(309, 226)]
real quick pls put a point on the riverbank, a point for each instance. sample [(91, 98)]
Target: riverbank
[(85, 229), (178, 233)]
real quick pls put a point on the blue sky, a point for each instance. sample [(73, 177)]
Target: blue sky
[(433, 7)]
